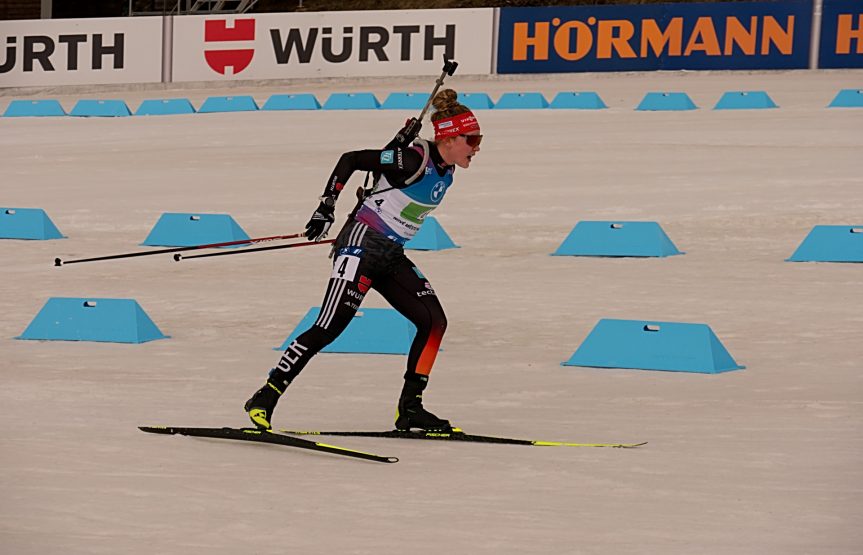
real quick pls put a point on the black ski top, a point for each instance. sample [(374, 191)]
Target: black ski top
[(397, 165)]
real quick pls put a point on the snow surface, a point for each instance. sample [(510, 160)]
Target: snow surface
[(761, 460)]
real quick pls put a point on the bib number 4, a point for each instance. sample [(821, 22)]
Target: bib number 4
[(345, 267)]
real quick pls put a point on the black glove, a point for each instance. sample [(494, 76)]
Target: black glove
[(321, 220)]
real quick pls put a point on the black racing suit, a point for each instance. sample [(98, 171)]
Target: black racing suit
[(367, 259)]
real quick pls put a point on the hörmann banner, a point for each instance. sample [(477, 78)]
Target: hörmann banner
[(739, 35), (841, 43), (80, 51), (331, 44)]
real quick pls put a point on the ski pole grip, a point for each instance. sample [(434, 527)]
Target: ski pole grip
[(449, 66)]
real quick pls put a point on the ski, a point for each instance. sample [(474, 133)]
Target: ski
[(458, 435), (265, 436)]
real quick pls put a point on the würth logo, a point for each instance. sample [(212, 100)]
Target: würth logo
[(364, 284), (217, 31)]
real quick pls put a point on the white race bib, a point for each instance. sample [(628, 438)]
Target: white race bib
[(345, 267)]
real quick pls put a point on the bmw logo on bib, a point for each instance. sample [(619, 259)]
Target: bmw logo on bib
[(437, 191)]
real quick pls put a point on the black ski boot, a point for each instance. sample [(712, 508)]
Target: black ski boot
[(412, 414), (262, 404)]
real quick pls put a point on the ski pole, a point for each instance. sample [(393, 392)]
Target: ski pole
[(61, 262), (178, 257), (411, 130), (449, 67)]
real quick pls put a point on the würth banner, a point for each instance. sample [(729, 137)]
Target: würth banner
[(81, 51), (330, 44)]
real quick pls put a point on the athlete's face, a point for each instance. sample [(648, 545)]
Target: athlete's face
[(461, 149)]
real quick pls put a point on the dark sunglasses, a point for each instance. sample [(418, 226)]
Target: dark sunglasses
[(472, 140)]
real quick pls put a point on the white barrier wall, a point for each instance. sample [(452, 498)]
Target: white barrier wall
[(80, 51), (331, 44)]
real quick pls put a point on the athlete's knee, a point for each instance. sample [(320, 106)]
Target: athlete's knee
[(439, 322), (433, 321)]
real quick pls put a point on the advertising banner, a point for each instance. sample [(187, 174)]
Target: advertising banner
[(80, 51), (841, 43), (739, 35), (331, 44)]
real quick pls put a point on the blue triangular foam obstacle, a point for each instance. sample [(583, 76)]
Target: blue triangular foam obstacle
[(188, 230), (214, 104), (607, 238), (644, 345), (30, 108), (521, 101), (476, 101), (431, 237), (88, 319), (745, 100), (27, 223), (165, 107), (304, 101), (662, 101), (100, 109), (831, 243), (577, 101), (405, 101), (373, 331), (352, 101), (848, 98)]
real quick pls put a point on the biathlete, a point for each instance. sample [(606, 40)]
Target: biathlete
[(369, 254)]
